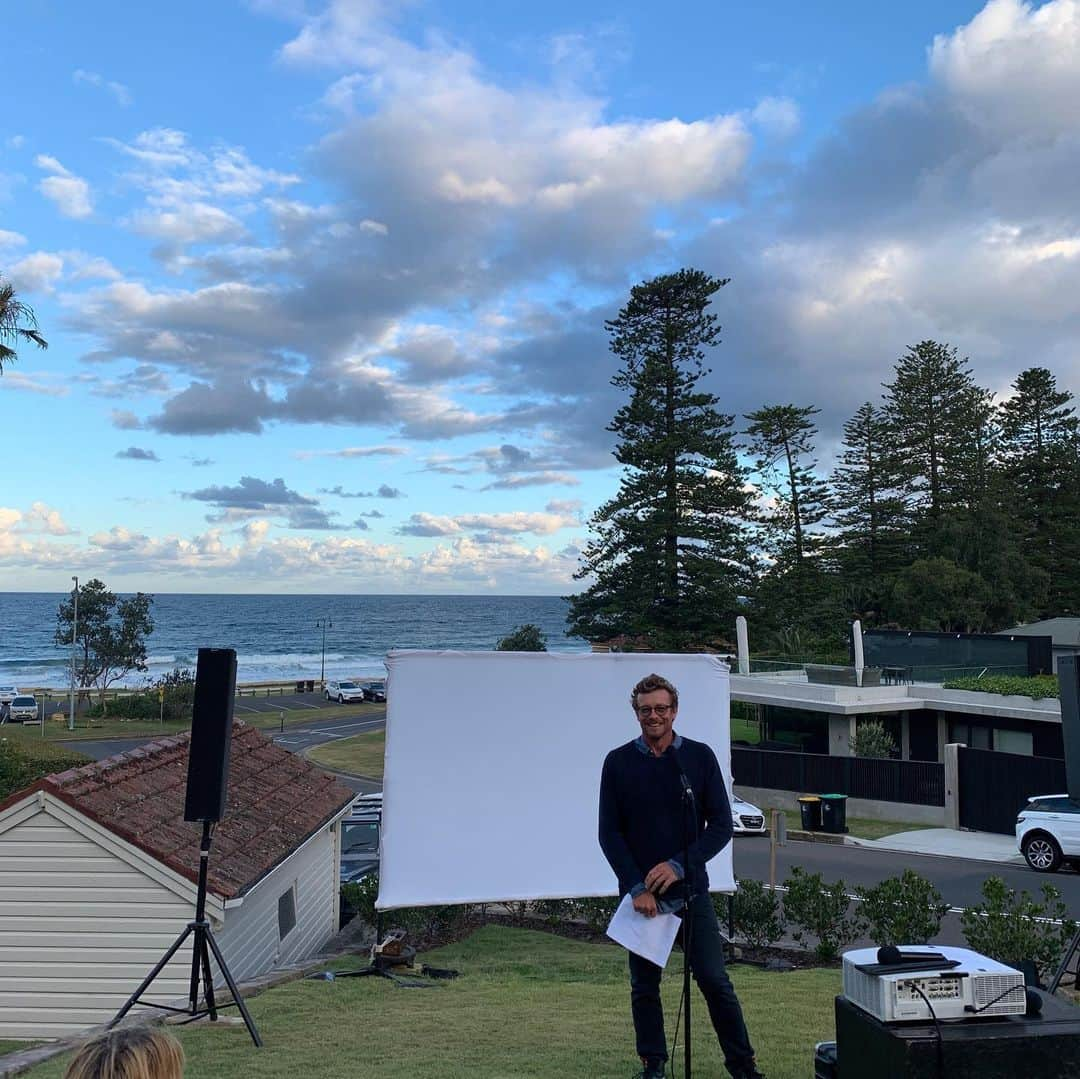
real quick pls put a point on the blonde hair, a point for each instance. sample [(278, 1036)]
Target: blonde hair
[(129, 1053)]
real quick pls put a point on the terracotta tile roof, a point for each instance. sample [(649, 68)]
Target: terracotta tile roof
[(276, 800)]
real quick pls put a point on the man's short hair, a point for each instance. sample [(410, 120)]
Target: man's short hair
[(649, 684)]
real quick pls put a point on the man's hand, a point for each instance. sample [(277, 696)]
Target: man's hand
[(646, 904), (660, 878)]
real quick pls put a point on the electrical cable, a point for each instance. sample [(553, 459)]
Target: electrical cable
[(1012, 989), (937, 1030)]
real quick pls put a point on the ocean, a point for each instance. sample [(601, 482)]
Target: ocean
[(276, 637)]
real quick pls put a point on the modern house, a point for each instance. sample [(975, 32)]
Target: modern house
[(816, 709), (98, 874)]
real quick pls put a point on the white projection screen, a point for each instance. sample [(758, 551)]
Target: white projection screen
[(492, 769)]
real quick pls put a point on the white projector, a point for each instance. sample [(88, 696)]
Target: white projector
[(974, 987)]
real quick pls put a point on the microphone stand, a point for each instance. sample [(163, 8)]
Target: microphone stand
[(689, 813)]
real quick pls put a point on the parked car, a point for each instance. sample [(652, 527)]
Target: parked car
[(8, 694), (24, 709), (344, 691), (1048, 832), (360, 838), (746, 819), (375, 691)]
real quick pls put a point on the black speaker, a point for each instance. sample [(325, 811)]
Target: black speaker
[(1043, 1043), (211, 734)]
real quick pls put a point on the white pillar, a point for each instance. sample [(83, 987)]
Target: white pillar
[(952, 785), (856, 636), (742, 644), (840, 735)]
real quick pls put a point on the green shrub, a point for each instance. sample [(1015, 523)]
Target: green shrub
[(1037, 686), (361, 897), (596, 911), (22, 764), (1011, 927), (758, 916), (819, 912), (872, 739), (902, 910), (131, 706), (553, 911)]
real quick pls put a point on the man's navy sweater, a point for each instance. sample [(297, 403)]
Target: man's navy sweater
[(641, 811)]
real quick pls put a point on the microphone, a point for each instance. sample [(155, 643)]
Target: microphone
[(688, 791), (890, 956)]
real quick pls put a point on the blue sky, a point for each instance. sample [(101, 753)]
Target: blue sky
[(324, 282)]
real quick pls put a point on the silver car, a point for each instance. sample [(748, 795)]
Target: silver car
[(24, 709)]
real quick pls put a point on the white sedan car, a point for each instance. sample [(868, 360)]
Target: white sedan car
[(746, 819), (1048, 832), (8, 694)]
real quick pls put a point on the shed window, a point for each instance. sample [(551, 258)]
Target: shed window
[(286, 912)]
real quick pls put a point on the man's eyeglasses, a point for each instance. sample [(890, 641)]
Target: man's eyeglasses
[(647, 710)]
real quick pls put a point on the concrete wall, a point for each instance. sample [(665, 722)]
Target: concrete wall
[(856, 807)]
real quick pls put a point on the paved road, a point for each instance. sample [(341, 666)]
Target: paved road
[(958, 879), (324, 727), (245, 704)]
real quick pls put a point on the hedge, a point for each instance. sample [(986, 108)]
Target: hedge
[(21, 764), (1037, 686)]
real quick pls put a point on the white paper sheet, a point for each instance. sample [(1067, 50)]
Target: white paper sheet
[(651, 938)]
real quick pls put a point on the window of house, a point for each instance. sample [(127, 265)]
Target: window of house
[(286, 912)]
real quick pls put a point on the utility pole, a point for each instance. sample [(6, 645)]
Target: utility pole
[(74, 630), (322, 623)]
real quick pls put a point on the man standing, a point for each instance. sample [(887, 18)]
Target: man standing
[(642, 836)]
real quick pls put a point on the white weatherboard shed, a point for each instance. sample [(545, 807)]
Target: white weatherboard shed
[(98, 877)]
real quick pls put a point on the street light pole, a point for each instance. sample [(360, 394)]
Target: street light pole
[(323, 623), (74, 628)]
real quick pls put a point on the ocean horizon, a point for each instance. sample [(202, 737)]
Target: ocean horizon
[(275, 635)]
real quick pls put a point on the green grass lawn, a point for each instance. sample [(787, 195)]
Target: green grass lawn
[(861, 829), (101, 729), (745, 730), (527, 1004), (12, 1047), (361, 755)]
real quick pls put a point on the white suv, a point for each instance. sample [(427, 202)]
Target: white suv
[(1048, 831), (344, 691)]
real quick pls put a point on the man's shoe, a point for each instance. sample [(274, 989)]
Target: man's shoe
[(651, 1071), (748, 1072)]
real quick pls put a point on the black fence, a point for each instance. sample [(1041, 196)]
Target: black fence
[(913, 782), (995, 786)]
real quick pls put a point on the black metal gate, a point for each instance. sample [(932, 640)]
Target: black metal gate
[(995, 786)]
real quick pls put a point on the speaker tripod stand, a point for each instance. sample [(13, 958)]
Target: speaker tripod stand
[(203, 944)]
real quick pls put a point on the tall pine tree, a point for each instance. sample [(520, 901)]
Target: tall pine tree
[(794, 587), (669, 552), (1039, 432), (782, 443), (930, 406), (869, 516)]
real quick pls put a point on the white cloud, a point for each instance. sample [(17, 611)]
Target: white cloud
[(37, 272), (120, 93), (777, 116), (39, 519), (11, 239), (69, 193), (43, 383), (1015, 68), (193, 223)]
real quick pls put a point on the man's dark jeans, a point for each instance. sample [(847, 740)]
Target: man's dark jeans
[(707, 965)]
